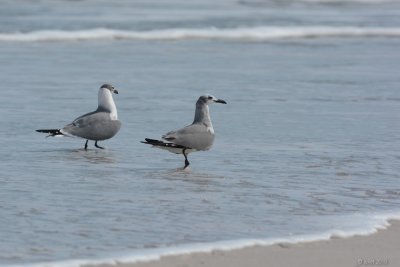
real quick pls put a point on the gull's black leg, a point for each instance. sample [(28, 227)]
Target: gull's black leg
[(186, 160), (86, 144), (95, 144)]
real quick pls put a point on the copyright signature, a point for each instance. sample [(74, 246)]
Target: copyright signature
[(372, 262)]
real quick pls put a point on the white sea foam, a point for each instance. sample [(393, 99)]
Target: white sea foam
[(249, 34), (370, 224)]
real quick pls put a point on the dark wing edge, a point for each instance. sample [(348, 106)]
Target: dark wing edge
[(155, 142)]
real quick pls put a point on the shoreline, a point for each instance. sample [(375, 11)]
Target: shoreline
[(377, 249)]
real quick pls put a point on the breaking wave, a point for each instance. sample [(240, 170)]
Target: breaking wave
[(233, 34), (366, 224)]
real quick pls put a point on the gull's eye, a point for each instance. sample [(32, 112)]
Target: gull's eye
[(210, 98)]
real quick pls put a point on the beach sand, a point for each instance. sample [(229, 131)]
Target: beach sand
[(379, 249)]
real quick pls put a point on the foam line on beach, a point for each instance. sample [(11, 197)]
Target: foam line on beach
[(373, 224), (238, 34)]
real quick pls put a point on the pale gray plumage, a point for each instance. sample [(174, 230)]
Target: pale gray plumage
[(198, 136), (98, 125)]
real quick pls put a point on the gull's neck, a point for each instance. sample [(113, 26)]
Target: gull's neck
[(202, 115), (106, 102)]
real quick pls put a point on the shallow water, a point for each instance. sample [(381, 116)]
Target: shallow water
[(307, 144)]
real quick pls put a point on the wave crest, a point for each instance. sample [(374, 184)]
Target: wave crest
[(248, 34)]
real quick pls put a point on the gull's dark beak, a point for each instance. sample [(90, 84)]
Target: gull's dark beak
[(220, 101), (115, 91)]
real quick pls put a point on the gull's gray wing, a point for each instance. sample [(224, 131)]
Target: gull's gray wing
[(196, 136), (93, 126)]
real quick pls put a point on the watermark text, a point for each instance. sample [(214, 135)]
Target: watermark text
[(372, 262)]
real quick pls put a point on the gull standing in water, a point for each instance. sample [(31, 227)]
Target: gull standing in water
[(98, 125), (198, 136)]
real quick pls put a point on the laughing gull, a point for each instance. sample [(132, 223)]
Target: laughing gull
[(98, 125), (199, 136)]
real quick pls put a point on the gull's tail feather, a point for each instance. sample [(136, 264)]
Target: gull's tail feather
[(51, 132), (171, 147)]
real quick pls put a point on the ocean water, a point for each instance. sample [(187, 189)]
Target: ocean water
[(307, 147)]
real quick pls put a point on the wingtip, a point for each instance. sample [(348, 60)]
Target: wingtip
[(51, 132), (148, 141)]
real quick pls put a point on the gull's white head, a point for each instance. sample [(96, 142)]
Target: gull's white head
[(208, 99), (106, 101), (109, 87)]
